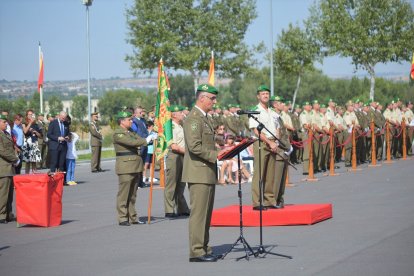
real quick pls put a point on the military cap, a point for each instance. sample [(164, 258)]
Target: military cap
[(297, 105), (331, 100), (262, 88), (315, 102), (236, 105), (357, 101), (396, 99), (123, 114), (288, 102), (207, 88), (216, 106), (323, 105), (349, 103), (3, 117), (230, 105), (306, 103), (276, 98), (176, 108)]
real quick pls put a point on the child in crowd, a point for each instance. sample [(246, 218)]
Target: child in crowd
[(71, 157), (148, 158)]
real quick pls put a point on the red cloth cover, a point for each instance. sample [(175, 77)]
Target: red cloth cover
[(39, 199)]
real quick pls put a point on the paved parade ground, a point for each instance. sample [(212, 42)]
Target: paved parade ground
[(371, 232)]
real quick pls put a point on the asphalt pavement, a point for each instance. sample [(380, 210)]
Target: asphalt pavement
[(371, 232)]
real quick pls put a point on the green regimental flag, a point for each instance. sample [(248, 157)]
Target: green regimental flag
[(163, 121)]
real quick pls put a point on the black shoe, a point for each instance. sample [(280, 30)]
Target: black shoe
[(139, 222), (3, 221), (337, 167), (95, 171), (348, 165), (257, 208), (100, 170), (124, 223), (205, 258), (280, 205), (184, 214), (171, 215), (305, 173), (270, 207)]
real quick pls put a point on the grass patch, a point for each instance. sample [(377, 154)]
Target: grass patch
[(104, 154)]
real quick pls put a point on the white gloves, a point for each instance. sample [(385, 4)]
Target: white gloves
[(151, 137), (17, 163), (289, 151)]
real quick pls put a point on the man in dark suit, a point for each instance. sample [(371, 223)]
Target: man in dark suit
[(58, 134)]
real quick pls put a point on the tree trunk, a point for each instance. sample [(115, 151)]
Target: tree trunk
[(371, 72), (296, 92), (195, 78)]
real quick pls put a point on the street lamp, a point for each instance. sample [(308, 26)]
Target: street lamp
[(88, 3)]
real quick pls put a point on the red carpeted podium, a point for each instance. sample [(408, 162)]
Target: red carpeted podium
[(300, 214), (39, 199)]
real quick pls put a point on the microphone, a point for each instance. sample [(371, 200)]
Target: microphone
[(247, 112)]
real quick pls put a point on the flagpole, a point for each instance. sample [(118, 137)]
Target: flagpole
[(41, 86), (271, 50)]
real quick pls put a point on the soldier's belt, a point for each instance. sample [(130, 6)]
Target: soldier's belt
[(126, 153)]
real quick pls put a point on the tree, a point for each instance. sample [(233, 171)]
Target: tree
[(296, 51), (55, 104), (5, 105), (34, 102), (19, 106), (185, 32), (367, 31), (79, 107), (182, 90), (112, 102)]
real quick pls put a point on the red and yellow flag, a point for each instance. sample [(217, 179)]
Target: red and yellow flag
[(163, 114), (211, 70), (412, 71), (40, 79)]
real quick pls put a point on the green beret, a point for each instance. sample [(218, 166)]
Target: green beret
[(123, 114), (288, 102), (49, 115), (276, 98), (297, 106), (323, 105), (230, 106), (396, 99), (306, 103), (315, 102), (207, 88), (262, 88), (237, 106), (331, 100), (176, 108), (216, 106), (3, 117), (357, 101)]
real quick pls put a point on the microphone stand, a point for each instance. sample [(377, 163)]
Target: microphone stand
[(262, 250)]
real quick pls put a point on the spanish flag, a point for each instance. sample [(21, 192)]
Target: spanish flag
[(211, 70), (40, 79), (412, 71)]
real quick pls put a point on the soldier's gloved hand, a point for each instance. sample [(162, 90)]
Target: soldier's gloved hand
[(16, 163), (289, 151), (149, 139)]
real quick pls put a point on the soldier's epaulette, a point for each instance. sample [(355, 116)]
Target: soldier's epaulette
[(311, 112), (255, 108)]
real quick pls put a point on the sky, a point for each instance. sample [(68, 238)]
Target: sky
[(60, 26)]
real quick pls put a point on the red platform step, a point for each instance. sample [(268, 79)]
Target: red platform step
[(296, 214)]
